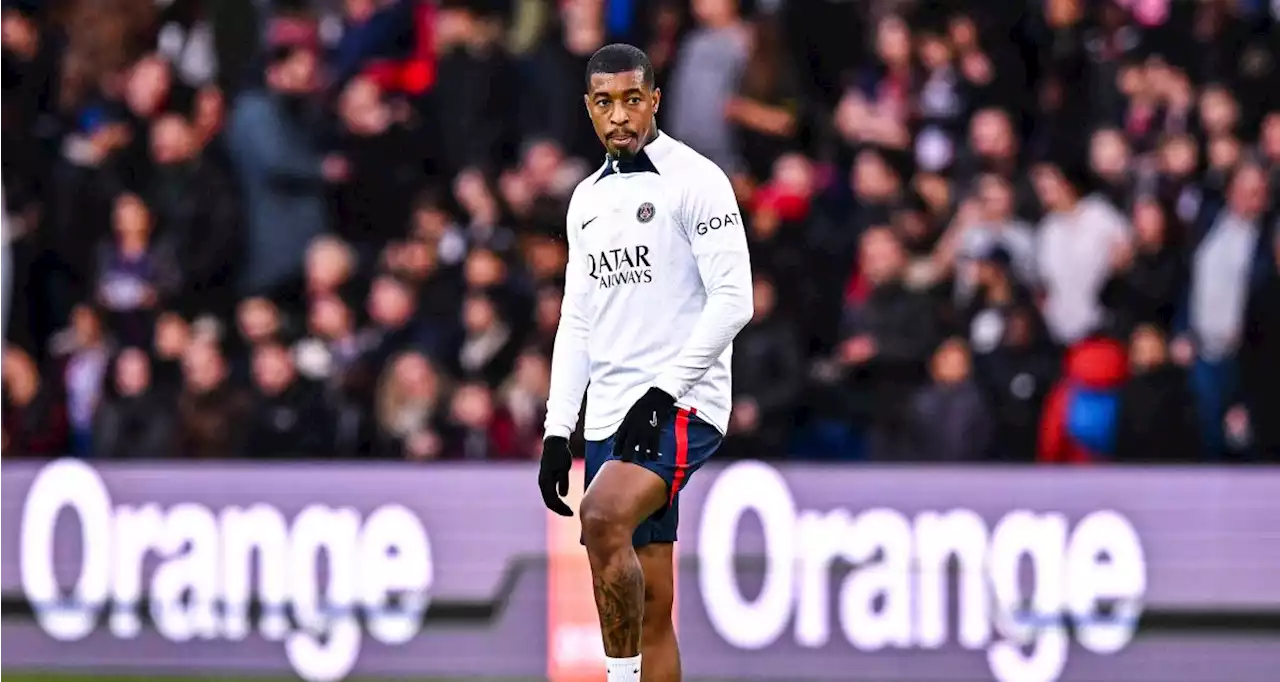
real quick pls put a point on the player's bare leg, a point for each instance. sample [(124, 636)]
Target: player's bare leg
[(620, 496), (658, 640)]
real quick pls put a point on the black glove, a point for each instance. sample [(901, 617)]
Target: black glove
[(637, 436), (553, 475)]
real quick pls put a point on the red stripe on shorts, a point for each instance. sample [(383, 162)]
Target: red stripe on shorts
[(682, 453)]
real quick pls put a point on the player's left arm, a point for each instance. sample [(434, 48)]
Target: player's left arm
[(710, 216)]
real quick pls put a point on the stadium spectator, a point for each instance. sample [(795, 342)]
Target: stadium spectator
[(1081, 239), (172, 336), (553, 106), (768, 369), (197, 206), (257, 324), (331, 346), (35, 421), (393, 323), (1146, 280), (330, 270), (1017, 367), (1226, 262), (379, 140), (476, 427), (488, 348), (985, 223), (1157, 419), (1259, 390), (288, 417), (374, 181), (779, 211), (136, 272), (704, 81), (1079, 424), (80, 357), (272, 137), (149, 92), (949, 420), (474, 125), (211, 410), (546, 316), (524, 397), (410, 400), (891, 332), (135, 419)]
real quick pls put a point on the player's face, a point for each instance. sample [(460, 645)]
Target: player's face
[(622, 109)]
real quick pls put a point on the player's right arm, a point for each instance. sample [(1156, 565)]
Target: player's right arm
[(570, 363)]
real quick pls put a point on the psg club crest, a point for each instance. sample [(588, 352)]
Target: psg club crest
[(645, 213)]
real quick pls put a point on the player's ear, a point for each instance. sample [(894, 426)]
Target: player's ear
[(657, 99), (586, 102)]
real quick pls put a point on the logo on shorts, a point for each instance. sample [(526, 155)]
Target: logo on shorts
[(645, 213)]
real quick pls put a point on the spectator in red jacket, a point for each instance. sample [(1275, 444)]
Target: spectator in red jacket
[(1079, 421)]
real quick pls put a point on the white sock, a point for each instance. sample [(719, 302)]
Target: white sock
[(623, 669)]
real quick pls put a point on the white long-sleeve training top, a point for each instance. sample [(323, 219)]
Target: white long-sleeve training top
[(657, 286)]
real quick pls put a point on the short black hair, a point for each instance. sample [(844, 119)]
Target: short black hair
[(620, 58)]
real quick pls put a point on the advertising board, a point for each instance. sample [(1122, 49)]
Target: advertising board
[(785, 573), (323, 571), (976, 574)]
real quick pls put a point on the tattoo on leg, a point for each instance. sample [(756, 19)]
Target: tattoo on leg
[(619, 590)]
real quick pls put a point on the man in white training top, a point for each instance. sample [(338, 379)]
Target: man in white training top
[(657, 286)]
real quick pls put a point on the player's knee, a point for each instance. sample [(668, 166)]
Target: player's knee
[(604, 526)]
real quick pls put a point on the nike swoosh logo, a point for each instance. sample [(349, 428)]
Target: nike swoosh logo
[(653, 421), (584, 225)]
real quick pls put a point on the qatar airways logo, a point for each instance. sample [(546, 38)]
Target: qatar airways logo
[(205, 564), (626, 265), (1091, 576)]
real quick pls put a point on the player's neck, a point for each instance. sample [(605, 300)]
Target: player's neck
[(653, 135)]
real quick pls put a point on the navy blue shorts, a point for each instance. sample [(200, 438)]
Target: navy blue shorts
[(686, 444)]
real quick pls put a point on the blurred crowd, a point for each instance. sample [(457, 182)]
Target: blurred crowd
[(982, 230)]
